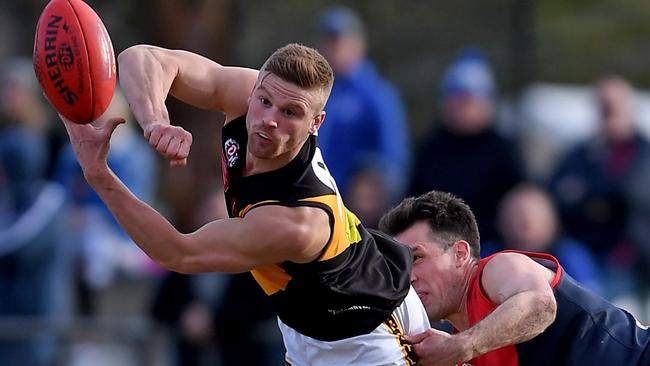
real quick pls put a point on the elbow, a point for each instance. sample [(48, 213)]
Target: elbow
[(546, 310), (178, 259), (551, 305), (178, 265), (131, 53)]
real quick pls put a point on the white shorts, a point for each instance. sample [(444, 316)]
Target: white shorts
[(382, 346)]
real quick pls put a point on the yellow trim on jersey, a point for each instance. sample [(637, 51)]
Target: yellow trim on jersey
[(271, 278), (395, 328), (344, 232), (245, 210)]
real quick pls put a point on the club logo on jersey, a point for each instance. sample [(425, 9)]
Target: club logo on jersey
[(231, 150)]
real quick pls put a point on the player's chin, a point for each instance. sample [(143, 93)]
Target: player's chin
[(264, 152), (423, 297)]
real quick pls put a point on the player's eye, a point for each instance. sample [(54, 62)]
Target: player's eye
[(265, 101), (416, 258)]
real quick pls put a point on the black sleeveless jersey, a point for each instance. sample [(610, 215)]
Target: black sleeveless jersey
[(361, 275)]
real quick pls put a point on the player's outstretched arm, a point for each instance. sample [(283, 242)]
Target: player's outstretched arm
[(266, 235), (148, 74)]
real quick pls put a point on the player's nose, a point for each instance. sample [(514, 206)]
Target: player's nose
[(270, 122)]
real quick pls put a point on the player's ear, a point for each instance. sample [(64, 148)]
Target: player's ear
[(317, 122), (462, 252)]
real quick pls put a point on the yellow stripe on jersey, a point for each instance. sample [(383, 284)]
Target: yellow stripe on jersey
[(243, 212), (271, 278), (344, 232), (394, 326)]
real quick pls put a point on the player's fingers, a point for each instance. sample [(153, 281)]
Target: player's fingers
[(175, 163), (154, 137), (147, 132), (71, 127), (112, 124), (66, 122), (163, 143), (417, 338), (174, 147), (421, 351), (184, 149)]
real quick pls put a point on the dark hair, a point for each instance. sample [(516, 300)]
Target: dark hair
[(303, 66), (449, 217)]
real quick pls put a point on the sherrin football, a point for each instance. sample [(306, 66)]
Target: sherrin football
[(74, 60)]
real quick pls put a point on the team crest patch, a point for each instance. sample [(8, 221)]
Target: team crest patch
[(231, 148)]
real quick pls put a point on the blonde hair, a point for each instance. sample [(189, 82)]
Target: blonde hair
[(303, 66)]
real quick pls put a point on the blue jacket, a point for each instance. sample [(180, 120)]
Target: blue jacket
[(365, 128)]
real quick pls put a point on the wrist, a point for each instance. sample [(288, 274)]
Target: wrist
[(97, 175), (466, 346)]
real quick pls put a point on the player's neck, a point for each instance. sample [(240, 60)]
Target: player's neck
[(460, 320), (255, 165)]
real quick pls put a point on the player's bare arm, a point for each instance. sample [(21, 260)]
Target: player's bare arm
[(526, 305), (148, 74), (266, 235)]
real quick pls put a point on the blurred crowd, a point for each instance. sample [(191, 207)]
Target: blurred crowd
[(61, 252)]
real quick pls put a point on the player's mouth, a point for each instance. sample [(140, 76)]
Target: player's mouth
[(264, 136), (421, 295)]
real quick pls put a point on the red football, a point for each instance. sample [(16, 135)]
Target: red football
[(74, 60)]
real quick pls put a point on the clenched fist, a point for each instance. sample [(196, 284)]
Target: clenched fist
[(172, 142)]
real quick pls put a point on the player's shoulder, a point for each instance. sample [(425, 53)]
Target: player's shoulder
[(504, 266), (232, 120), (505, 260)]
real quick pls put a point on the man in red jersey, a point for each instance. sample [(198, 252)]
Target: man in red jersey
[(511, 308)]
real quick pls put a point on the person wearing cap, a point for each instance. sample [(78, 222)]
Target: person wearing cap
[(465, 155), (365, 140)]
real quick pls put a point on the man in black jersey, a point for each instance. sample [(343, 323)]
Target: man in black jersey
[(342, 293)]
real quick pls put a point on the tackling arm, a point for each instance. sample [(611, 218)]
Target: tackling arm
[(526, 304)]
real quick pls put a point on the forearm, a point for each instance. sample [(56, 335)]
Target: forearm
[(227, 245), (518, 319), (146, 227), (146, 80)]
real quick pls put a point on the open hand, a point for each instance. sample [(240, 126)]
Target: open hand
[(172, 142), (91, 144)]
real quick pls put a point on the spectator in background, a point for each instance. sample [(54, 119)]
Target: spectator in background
[(465, 155), (22, 103), (35, 259), (365, 140), (527, 220), (599, 181), (105, 249)]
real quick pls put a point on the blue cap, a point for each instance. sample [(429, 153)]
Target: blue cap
[(339, 21), (469, 74)]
